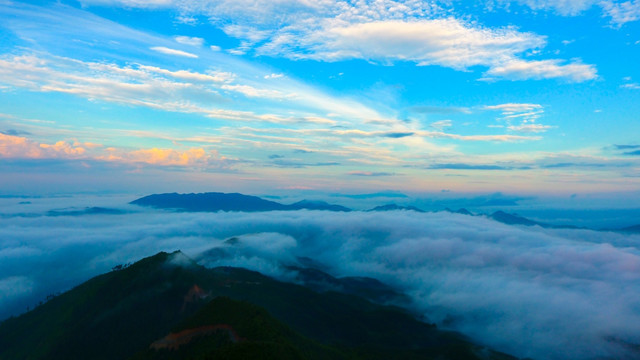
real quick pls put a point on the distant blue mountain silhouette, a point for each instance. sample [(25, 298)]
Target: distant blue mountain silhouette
[(395, 207), (512, 219), (317, 205), (215, 201), (631, 229)]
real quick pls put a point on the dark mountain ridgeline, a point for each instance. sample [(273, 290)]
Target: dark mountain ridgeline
[(512, 219), (168, 307), (631, 229), (461, 211), (316, 205), (212, 201), (395, 207), (215, 201)]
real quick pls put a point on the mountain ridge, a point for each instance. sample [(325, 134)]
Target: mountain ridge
[(168, 296), (217, 201)]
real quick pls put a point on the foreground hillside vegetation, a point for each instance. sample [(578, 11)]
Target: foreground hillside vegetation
[(168, 307)]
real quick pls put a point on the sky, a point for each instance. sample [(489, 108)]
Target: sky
[(529, 97)]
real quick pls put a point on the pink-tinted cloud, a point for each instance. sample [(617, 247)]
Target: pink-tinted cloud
[(24, 148), (18, 147), (166, 157)]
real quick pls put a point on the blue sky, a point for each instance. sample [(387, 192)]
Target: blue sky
[(523, 97)]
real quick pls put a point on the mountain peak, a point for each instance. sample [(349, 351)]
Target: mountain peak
[(396, 207), (216, 201), (512, 219)]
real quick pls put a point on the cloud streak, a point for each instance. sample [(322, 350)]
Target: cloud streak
[(175, 52)]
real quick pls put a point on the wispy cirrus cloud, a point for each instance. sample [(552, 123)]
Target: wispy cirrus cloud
[(246, 79), (619, 12), (520, 117), (439, 110), (632, 86), (516, 69), (562, 7), (169, 51), (447, 42), (386, 32), (369, 173), (132, 3), (189, 40), (140, 85), (441, 125), (530, 128), (463, 166)]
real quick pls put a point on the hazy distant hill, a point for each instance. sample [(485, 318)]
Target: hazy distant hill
[(215, 201), (212, 201), (631, 229), (461, 211), (316, 205), (512, 219), (168, 307), (394, 207)]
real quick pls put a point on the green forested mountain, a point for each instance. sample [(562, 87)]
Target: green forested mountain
[(168, 307)]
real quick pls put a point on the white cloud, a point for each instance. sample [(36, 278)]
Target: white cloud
[(530, 128), (194, 157), (441, 125), (531, 292), (130, 3), (385, 31), (446, 42), (148, 86), (215, 48), (18, 147), (513, 108), (633, 86), (168, 51), (525, 114), (542, 69), (273, 76), (496, 138), (562, 7), (620, 12), (216, 77), (188, 40), (251, 91)]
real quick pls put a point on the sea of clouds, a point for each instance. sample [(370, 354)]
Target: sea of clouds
[(528, 291)]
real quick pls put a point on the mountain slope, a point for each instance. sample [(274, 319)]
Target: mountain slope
[(123, 313), (512, 219)]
